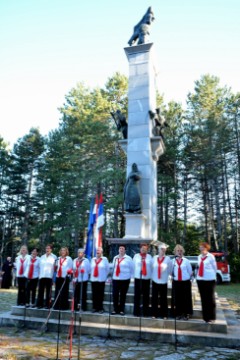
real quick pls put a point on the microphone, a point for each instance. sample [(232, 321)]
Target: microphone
[(70, 273)]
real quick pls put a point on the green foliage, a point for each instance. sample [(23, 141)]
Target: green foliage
[(234, 262), (46, 184)]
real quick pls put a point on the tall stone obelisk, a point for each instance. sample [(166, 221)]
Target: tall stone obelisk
[(142, 147)]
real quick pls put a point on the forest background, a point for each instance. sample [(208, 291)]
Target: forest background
[(47, 182)]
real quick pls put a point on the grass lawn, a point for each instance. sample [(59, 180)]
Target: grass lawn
[(232, 293)]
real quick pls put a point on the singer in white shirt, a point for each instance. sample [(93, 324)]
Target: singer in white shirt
[(81, 272), (32, 274), (182, 306), (142, 275), (21, 265), (122, 273), (64, 263), (47, 267), (99, 273), (206, 280), (161, 269)]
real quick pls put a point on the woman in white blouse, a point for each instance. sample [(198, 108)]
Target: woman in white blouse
[(64, 264), (161, 269), (206, 280), (181, 285), (99, 273), (142, 277), (81, 271), (21, 265), (122, 273), (32, 274)]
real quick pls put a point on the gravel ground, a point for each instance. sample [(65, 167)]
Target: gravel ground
[(28, 344)]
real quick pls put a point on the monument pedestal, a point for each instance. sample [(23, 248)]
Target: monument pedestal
[(132, 245), (135, 226)]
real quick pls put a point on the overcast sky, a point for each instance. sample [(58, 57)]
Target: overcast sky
[(47, 46)]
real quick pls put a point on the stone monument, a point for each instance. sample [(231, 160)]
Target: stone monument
[(141, 146)]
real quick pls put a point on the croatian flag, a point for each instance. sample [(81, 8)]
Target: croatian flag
[(99, 222)]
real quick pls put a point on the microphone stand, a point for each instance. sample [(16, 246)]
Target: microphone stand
[(50, 301), (59, 313), (174, 305), (110, 304), (80, 316), (140, 317), (71, 332), (52, 308), (25, 308)]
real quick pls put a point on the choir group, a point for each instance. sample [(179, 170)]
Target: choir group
[(151, 276)]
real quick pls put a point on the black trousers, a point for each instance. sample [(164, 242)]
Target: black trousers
[(45, 284), (207, 293), (141, 291), (182, 298), (80, 291), (61, 298), (31, 290), (159, 297), (22, 283), (98, 294), (120, 289)]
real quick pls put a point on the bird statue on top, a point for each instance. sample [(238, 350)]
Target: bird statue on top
[(141, 30)]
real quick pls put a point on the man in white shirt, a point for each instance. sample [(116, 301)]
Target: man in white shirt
[(47, 267)]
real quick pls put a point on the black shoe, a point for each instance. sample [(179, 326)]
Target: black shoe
[(101, 311), (122, 313), (113, 313)]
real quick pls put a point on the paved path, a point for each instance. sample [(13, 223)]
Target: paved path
[(28, 344)]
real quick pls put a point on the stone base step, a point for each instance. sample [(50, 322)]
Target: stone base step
[(192, 331), (195, 323)]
